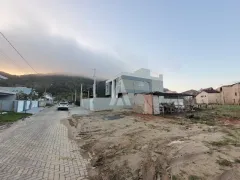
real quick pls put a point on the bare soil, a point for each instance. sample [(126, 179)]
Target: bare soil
[(128, 146)]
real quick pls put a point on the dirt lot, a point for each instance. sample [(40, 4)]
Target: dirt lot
[(128, 146)]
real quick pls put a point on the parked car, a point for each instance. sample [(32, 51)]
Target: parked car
[(63, 106)]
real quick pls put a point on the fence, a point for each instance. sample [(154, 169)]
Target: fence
[(17, 106), (101, 104)]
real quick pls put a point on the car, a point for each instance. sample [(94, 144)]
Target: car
[(63, 106)]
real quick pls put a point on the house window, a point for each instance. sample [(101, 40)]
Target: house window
[(235, 94)]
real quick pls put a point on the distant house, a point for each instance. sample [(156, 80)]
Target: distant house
[(48, 98), (208, 96), (2, 77), (230, 94), (23, 90)]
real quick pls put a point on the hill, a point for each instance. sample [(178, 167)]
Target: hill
[(60, 86)]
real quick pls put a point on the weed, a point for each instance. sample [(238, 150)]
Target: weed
[(219, 143), (237, 160), (193, 177), (224, 162), (175, 177)]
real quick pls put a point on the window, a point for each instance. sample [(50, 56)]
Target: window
[(235, 94)]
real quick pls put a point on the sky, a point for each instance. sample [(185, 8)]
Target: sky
[(194, 44)]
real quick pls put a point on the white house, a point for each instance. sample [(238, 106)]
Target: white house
[(127, 84)]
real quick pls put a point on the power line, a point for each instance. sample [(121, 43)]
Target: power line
[(18, 52), (9, 59)]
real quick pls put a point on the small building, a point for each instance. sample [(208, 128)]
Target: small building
[(158, 102), (208, 96), (127, 84), (230, 94)]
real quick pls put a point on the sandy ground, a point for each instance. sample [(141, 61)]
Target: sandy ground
[(128, 146)]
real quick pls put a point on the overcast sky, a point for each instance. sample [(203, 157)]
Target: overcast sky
[(194, 44)]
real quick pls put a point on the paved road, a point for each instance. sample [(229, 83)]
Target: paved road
[(39, 148)]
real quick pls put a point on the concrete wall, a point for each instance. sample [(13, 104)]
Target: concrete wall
[(34, 104), (6, 105), (100, 104), (19, 105), (230, 94), (214, 98), (202, 98), (157, 85), (138, 103), (156, 109), (85, 103), (27, 105)]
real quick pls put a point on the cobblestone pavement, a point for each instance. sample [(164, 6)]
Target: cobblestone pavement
[(39, 148)]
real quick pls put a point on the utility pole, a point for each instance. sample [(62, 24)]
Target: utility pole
[(75, 95), (94, 84), (81, 95), (88, 94)]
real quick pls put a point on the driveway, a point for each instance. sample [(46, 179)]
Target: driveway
[(39, 148)]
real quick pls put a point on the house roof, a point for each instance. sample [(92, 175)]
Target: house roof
[(210, 91)]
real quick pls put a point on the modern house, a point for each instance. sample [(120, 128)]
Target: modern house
[(230, 94), (208, 96), (127, 84)]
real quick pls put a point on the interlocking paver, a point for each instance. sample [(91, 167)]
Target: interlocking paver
[(39, 148)]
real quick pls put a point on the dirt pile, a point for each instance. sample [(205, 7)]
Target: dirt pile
[(129, 147)]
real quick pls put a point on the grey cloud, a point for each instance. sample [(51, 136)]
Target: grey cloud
[(56, 54)]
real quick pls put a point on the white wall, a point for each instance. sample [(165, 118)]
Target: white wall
[(100, 104), (27, 105), (20, 106), (6, 105), (34, 104), (177, 102), (156, 109), (85, 103)]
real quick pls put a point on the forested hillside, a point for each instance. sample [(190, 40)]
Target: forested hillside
[(61, 86)]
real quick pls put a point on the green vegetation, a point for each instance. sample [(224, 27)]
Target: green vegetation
[(210, 116), (193, 177), (12, 116), (229, 111), (60, 86), (232, 138)]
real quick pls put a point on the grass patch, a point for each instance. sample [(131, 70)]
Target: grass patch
[(193, 177), (224, 162), (12, 116), (220, 143)]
